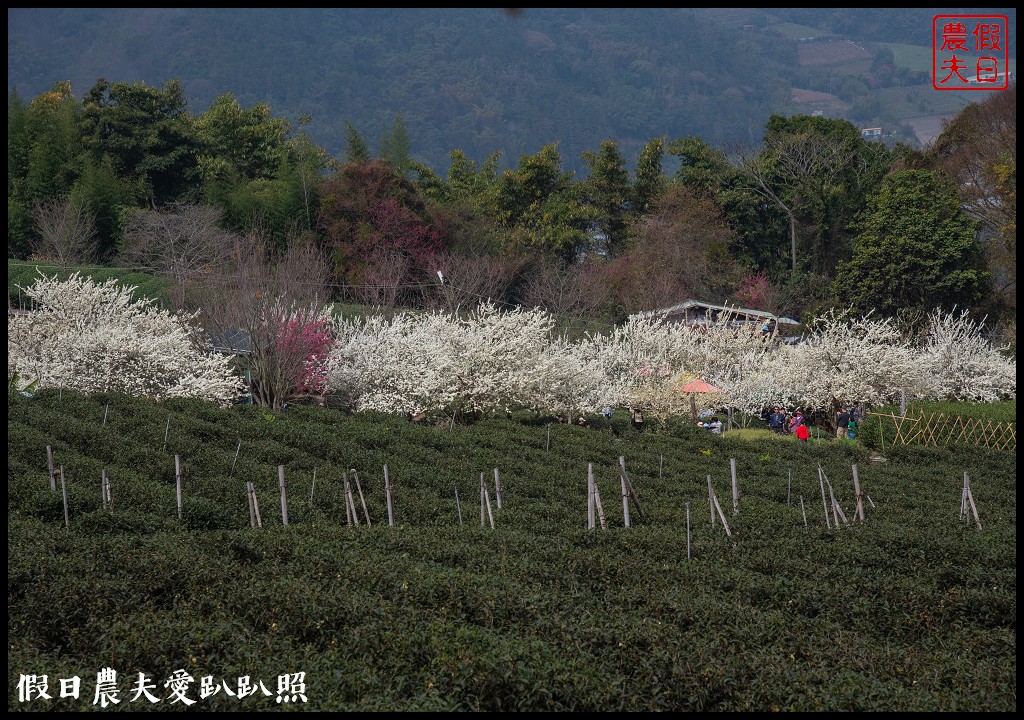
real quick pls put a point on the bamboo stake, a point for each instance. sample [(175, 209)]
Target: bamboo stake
[(256, 505), (970, 499), (362, 499), (49, 465), (387, 493), (284, 494), (497, 488), (789, 488), (661, 464), (721, 515), (177, 481), (711, 502), (735, 488), (252, 509), (458, 506), (312, 487), (237, 449), (597, 504), (857, 492), (350, 503), (105, 490), (106, 409), (591, 508), (167, 430), (687, 531), (629, 485), (824, 505), (487, 499), (837, 510), (64, 492), (802, 510), (483, 506), (547, 445), (625, 500)]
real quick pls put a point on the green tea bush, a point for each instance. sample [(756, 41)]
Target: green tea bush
[(913, 609)]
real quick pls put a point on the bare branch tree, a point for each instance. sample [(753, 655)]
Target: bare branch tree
[(383, 279), (468, 281), (66, 231), (271, 313), (566, 290), (185, 245)]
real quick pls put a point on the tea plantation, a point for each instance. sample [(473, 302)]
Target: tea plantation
[(913, 609)]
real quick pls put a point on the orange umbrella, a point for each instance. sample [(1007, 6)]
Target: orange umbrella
[(699, 386)]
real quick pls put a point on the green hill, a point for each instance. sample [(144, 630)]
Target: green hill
[(913, 609)]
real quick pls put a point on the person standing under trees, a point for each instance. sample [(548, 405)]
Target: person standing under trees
[(842, 423), (851, 429), (638, 419), (802, 433)]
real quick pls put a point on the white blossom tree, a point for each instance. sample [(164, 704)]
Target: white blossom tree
[(963, 364), (96, 337), (495, 359)]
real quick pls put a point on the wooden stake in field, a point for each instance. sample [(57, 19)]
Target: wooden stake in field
[(284, 494), (597, 504), (177, 481), (167, 430), (591, 508), (547, 445), (49, 465), (387, 495), (837, 509), (487, 499), (362, 498), (64, 492), (628, 485), (312, 487), (824, 505), (252, 508), (497, 487), (716, 506), (255, 503), (735, 488), (625, 500), (350, 503), (106, 409), (237, 449), (687, 531), (661, 464), (859, 513), (105, 490), (802, 510), (458, 505), (789, 488), (711, 502), (970, 500)]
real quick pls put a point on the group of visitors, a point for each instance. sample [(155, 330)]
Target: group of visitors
[(714, 425), (847, 420), (780, 421)]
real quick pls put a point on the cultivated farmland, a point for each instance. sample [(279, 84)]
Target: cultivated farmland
[(911, 609)]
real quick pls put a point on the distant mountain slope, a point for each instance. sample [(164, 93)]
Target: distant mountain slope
[(482, 80)]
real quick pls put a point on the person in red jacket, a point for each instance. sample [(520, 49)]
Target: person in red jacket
[(802, 433)]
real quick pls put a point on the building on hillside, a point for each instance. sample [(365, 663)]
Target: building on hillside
[(697, 313)]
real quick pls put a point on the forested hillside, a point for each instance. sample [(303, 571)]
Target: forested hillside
[(490, 80)]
